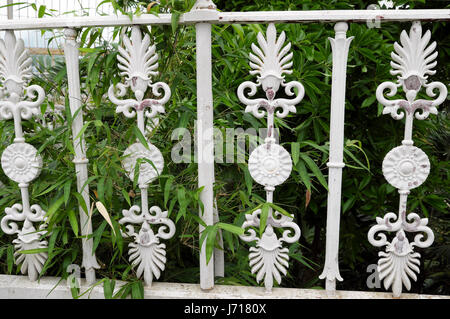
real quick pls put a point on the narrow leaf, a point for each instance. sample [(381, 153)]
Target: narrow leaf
[(210, 242), (263, 218), (73, 221), (104, 212), (231, 228), (315, 169), (167, 187), (140, 137)]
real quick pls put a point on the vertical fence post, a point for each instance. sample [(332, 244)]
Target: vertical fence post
[(205, 137), (71, 54), (10, 9), (340, 46), (205, 142)]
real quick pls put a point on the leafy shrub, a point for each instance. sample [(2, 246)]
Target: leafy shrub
[(368, 137)]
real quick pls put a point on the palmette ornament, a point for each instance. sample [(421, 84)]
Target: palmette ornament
[(138, 62), (268, 259), (20, 161), (146, 252), (270, 164), (398, 264), (406, 167), (28, 239)]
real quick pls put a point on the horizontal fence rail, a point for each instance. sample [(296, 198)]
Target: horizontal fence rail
[(269, 164), (214, 17)]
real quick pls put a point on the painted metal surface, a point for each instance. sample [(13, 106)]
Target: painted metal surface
[(19, 287), (89, 262), (270, 164), (340, 46), (138, 62), (406, 167), (198, 16), (205, 143), (20, 161)]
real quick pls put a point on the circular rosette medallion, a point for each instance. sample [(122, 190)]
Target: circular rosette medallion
[(147, 172), (270, 164), (406, 167), (21, 162)]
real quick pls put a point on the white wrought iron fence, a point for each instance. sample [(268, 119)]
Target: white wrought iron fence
[(405, 167)]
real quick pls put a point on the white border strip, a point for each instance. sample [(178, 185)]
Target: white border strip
[(19, 287), (215, 17)]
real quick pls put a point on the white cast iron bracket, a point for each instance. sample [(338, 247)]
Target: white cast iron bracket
[(20, 161), (406, 167), (138, 63), (270, 164)]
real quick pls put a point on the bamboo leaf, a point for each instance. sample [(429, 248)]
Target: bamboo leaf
[(229, 240), (81, 202), (197, 219), (98, 235), (231, 228), (52, 187), (181, 195), (10, 258), (280, 210), (67, 186), (263, 218), (126, 196), (300, 259), (108, 288), (81, 132), (174, 20), (304, 175), (295, 150), (210, 243), (315, 169), (101, 189), (248, 180), (41, 11), (167, 187), (140, 137), (54, 207), (104, 212), (253, 209), (137, 290), (73, 221), (33, 251)]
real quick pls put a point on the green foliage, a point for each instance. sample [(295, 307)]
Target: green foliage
[(368, 137)]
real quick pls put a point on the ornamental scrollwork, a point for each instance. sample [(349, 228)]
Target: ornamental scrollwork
[(21, 161), (270, 164), (412, 62), (18, 100), (138, 62), (406, 167), (269, 62)]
